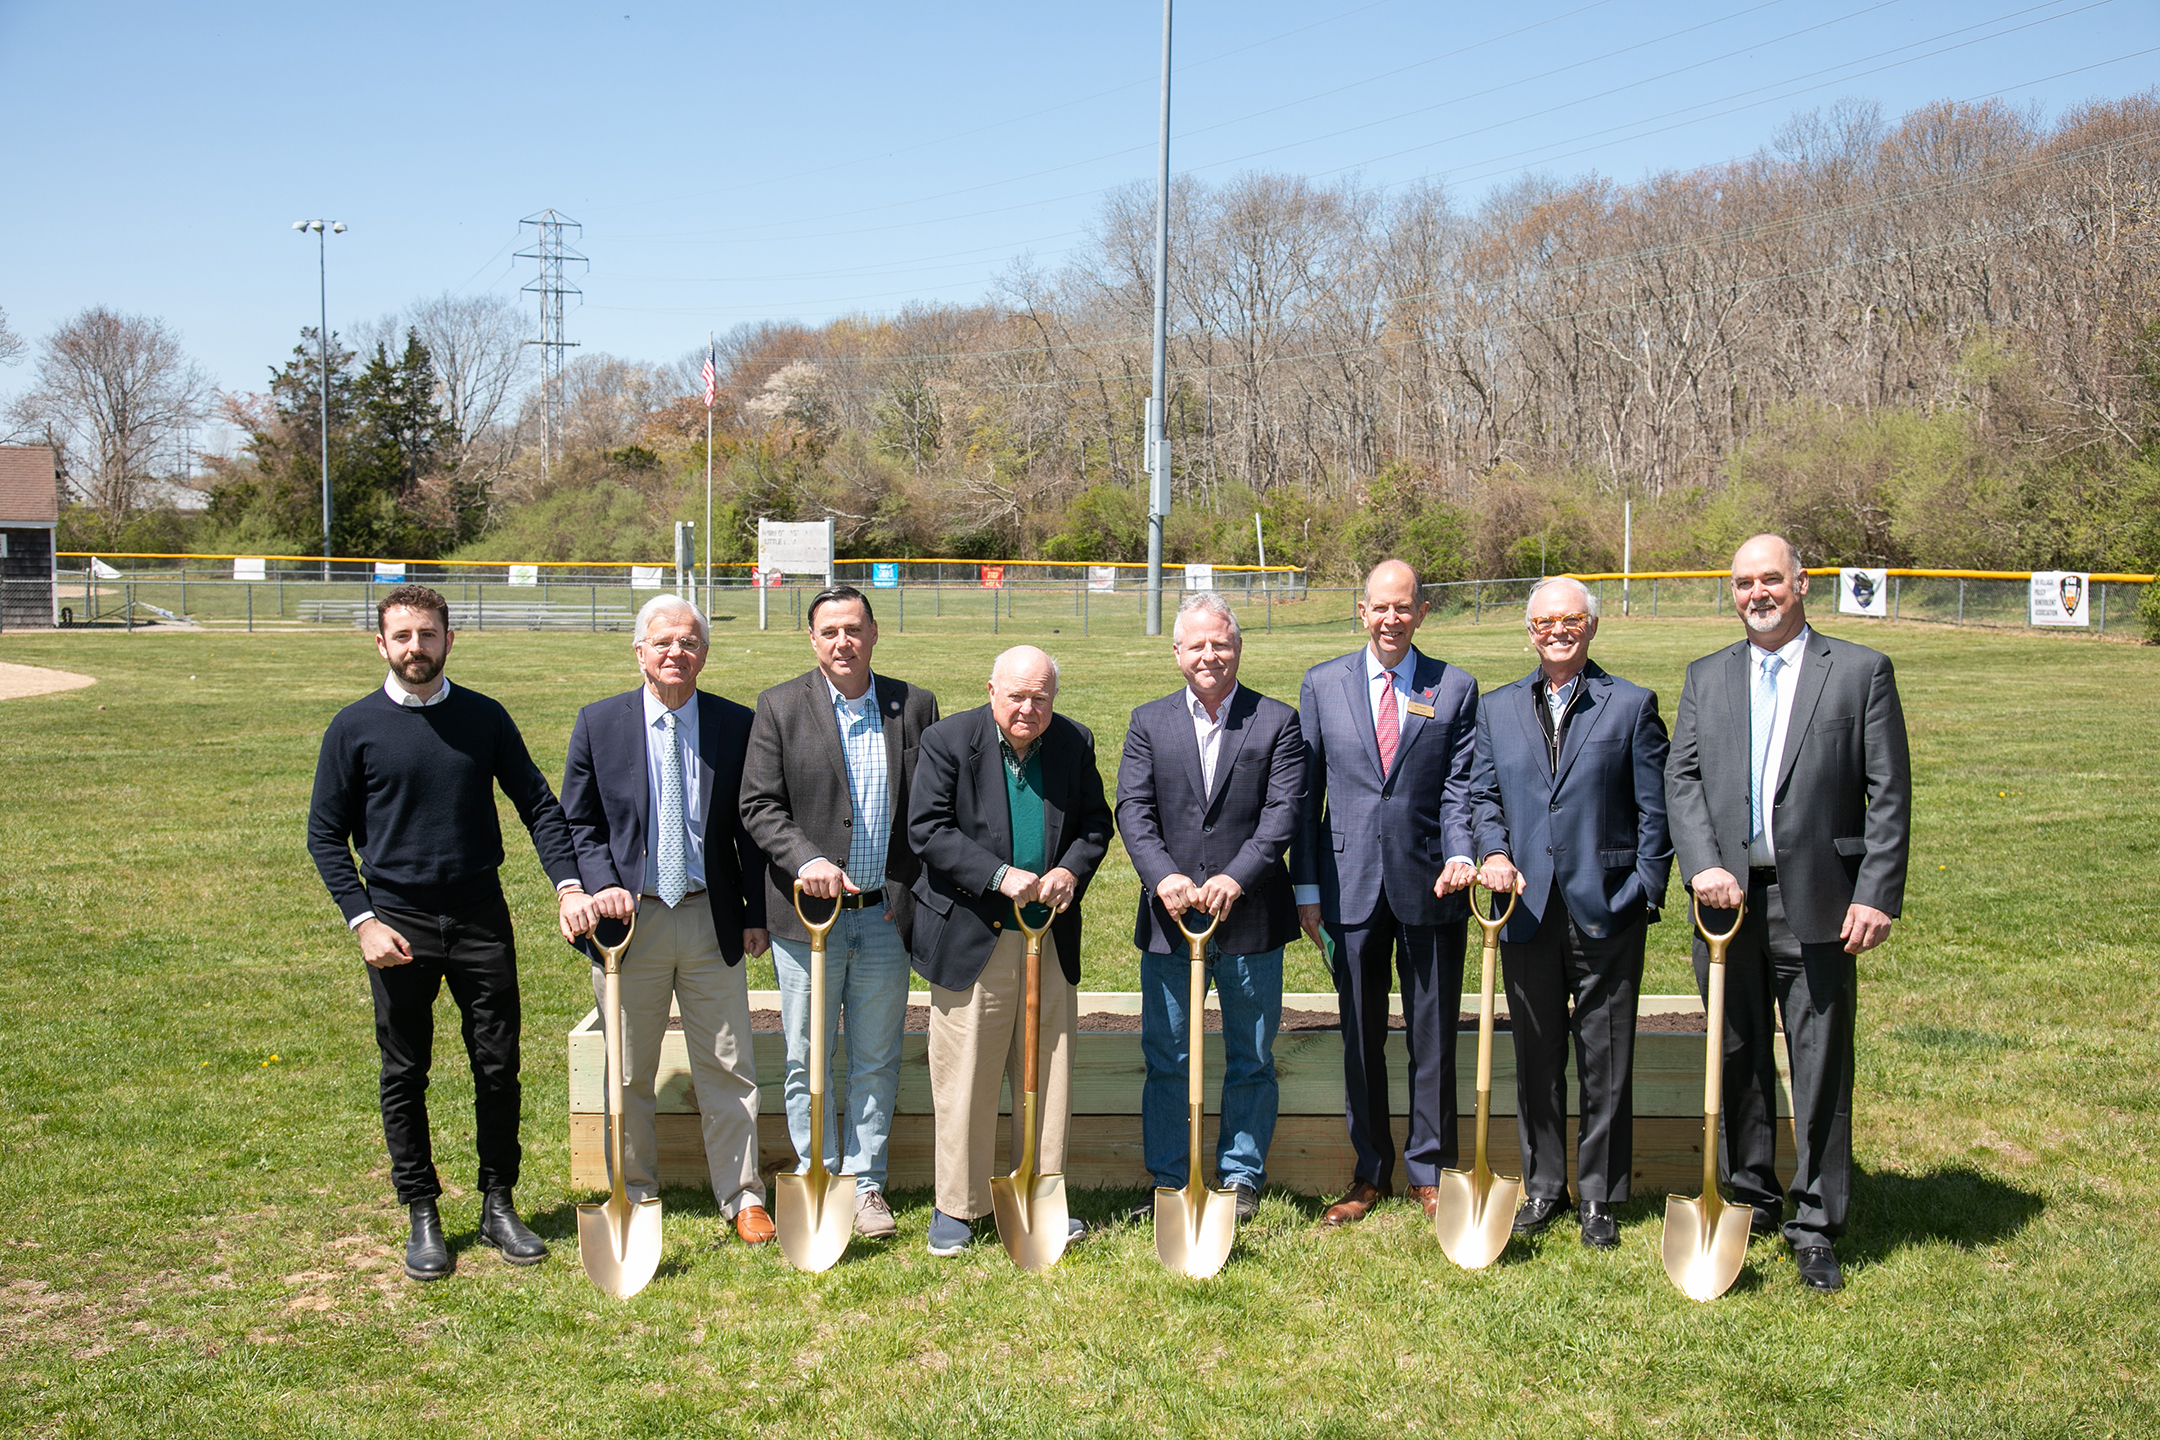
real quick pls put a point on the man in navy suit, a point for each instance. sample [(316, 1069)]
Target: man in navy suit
[(1209, 796), (1570, 794), (650, 792), (1385, 844)]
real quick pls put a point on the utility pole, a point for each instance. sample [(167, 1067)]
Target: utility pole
[(323, 230), (550, 250), (1158, 440)]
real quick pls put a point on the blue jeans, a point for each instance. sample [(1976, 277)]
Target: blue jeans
[(1250, 987), (866, 974)]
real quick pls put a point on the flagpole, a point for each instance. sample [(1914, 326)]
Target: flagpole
[(708, 469)]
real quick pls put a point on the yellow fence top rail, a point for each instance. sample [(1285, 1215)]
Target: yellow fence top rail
[(656, 564), (2109, 578)]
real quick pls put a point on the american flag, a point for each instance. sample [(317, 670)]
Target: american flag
[(711, 377)]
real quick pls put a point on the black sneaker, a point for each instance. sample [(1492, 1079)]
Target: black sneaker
[(1248, 1202)]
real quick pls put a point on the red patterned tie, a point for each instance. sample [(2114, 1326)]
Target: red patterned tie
[(1384, 713)]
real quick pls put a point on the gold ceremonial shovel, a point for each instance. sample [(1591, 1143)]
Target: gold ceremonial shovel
[(1195, 1226), (1474, 1211), (1706, 1240), (1031, 1215), (618, 1242), (815, 1212)]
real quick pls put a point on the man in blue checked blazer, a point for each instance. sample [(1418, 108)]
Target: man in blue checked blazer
[(1570, 793), (1386, 843), (1209, 795)]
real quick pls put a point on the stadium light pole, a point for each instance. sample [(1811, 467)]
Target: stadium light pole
[(1158, 439), (323, 230)]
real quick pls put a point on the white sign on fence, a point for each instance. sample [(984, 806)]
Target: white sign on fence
[(244, 569), (390, 572), (2061, 597), (795, 549), (524, 575), (102, 570), (1863, 592), (1102, 577), (648, 577), (1199, 577)]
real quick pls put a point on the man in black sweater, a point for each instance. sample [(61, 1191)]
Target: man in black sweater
[(407, 778)]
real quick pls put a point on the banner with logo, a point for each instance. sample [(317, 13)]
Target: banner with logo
[(1199, 577), (885, 575), (993, 577), (795, 548), (2061, 597), (247, 569), (648, 577), (390, 572), (524, 575), (1863, 592), (1102, 577)]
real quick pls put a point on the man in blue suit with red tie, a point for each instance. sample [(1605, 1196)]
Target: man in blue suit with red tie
[(1384, 846)]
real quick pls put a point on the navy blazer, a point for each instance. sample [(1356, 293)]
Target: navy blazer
[(960, 823), (1362, 828), (1174, 826), (605, 786), (1597, 821)]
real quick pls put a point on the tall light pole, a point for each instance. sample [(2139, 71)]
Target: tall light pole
[(323, 230), (1158, 439)]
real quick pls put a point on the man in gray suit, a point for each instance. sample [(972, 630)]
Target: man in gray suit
[(825, 794), (1570, 793), (1789, 785)]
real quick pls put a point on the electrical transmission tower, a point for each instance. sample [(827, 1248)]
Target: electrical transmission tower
[(550, 250)]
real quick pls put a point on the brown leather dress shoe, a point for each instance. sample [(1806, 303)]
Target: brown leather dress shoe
[(754, 1226), (1360, 1198), (1427, 1196)]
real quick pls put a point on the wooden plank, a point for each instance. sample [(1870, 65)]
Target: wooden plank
[(1311, 1154)]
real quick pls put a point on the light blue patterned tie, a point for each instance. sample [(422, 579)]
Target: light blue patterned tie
[(1762, 719), (674, 857)]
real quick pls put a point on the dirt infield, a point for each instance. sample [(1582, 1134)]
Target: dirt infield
[(16, 681)]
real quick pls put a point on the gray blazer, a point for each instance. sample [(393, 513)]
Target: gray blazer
[(795, 798), (1842, 808)]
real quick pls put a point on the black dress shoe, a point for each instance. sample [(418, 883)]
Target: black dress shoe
[(1537, 1213), (427, 1256), (500, 1227), (1766, 1222), (1248, 1202), (1142, 1213), (1819, 1268), (1600, 1231)]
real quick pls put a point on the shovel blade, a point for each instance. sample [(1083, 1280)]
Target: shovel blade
[(815, 1215), (1474, 1220), (1193, 1234), (619, 1245), (1703, 1250), (1031, 1219)]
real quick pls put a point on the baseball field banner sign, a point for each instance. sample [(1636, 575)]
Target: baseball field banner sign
[(1199, 577), (524, 575), (885, 575), (1102, 577), (648, 577), (249, 569), (1863, 592), (2061, 597)]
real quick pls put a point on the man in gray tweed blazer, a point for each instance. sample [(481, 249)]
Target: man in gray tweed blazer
[(825, 791), (1789, 785)]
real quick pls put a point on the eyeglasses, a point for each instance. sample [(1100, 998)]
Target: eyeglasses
[(688, 644), (1546, 624)]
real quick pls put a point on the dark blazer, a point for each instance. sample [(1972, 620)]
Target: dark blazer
[(961, 825), (604, 797), (1173, 826), (1842, 807), (1361, 826), (1597, 821), (796, 801)]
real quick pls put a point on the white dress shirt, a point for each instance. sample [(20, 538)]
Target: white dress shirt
[(656, 748), (1208, 734), (1764, 849)]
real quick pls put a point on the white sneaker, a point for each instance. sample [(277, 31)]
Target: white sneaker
[(873, 1217)]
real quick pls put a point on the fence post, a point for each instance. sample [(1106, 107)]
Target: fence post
[(1477, 602), (2103, 609), (900, 601), (594, 601), (1267, 598), (1896, 585), (1961, 600), (480, 606), (1087, 604), (251, 609), (1653, 597), (183, 590), (281, 594)]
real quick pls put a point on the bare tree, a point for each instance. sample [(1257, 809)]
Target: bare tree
[(112, 392), (11, 344), (480, 365)]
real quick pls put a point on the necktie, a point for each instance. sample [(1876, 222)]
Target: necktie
[(1386, 721), (1762, 719), (674, 859)]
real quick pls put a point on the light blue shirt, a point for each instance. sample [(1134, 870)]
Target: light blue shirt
[(1790, 657), (685, 756), (862, 745)]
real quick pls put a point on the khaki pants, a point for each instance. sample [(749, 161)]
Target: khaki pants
[(677, 953), (978, 1036)]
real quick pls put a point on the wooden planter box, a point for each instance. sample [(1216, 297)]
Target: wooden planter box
[(1311, 1153)]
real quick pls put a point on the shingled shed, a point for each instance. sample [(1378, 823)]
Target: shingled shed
[(29, 522)]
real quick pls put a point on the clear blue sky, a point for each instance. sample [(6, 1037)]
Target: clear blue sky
[(803, 161)]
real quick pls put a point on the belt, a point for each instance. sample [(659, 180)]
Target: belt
[(863, 901), (687, 894), (1762, 874)]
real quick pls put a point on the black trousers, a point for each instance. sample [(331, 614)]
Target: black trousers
[(1814, 988), (1604, 979), (1430, 960), (473, 950)]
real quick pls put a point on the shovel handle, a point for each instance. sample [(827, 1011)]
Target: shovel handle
[(1491, 927), (1197, 938), (1717, 943), (817, 932), (611, 955)]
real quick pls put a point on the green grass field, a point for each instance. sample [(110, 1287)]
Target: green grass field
[(199, 1237)]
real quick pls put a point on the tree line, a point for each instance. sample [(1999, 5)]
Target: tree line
[(1933, 341)]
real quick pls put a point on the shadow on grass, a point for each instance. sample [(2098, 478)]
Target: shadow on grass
[(1956, 1204)]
